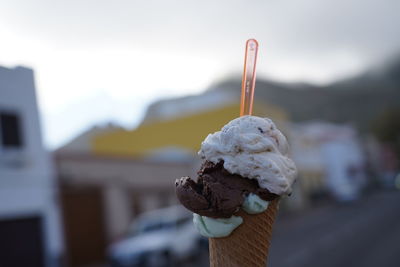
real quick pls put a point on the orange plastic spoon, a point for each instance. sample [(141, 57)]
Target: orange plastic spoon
[(249, 77)]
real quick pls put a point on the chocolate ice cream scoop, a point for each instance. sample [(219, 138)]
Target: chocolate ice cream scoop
[(217, 193)]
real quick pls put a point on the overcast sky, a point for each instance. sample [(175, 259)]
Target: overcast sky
[(107, 60)]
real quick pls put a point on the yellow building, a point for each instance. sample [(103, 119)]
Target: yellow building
[(186, 132)]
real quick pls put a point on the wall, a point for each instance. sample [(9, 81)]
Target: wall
[(27, 186), (185, 132)]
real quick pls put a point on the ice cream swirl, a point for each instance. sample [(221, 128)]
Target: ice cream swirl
[(254, 148)]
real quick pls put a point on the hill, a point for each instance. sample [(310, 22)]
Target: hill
[(359, 100)]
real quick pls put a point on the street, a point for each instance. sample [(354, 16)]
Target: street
[(364, 233)]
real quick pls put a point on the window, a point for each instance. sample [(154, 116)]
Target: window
[(10, 130)]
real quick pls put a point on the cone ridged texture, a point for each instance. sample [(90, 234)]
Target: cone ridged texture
[(248, 244)]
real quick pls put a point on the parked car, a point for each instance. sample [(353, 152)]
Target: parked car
[(158, 238)]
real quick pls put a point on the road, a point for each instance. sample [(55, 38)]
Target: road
[(364, 233)]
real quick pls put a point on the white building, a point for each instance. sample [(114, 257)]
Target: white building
[(329, 158), (30, 232)]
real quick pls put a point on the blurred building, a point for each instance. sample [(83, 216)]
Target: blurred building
[(30, 232), (110, 174), (329, 158)]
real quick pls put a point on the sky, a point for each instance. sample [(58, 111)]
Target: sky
[(97, 61)]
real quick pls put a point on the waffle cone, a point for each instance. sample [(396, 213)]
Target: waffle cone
[(248, 244)]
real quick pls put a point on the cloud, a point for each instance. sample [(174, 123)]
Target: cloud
[(301, 25)]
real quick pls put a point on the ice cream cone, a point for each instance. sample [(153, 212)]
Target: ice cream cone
[(248, 244)]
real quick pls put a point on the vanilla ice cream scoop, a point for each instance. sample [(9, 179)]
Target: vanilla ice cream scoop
[(254, 148)]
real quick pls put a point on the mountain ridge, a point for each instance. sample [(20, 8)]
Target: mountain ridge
[(359, 100)]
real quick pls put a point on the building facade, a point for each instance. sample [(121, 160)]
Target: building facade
[(30, 232), (330, 160)]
